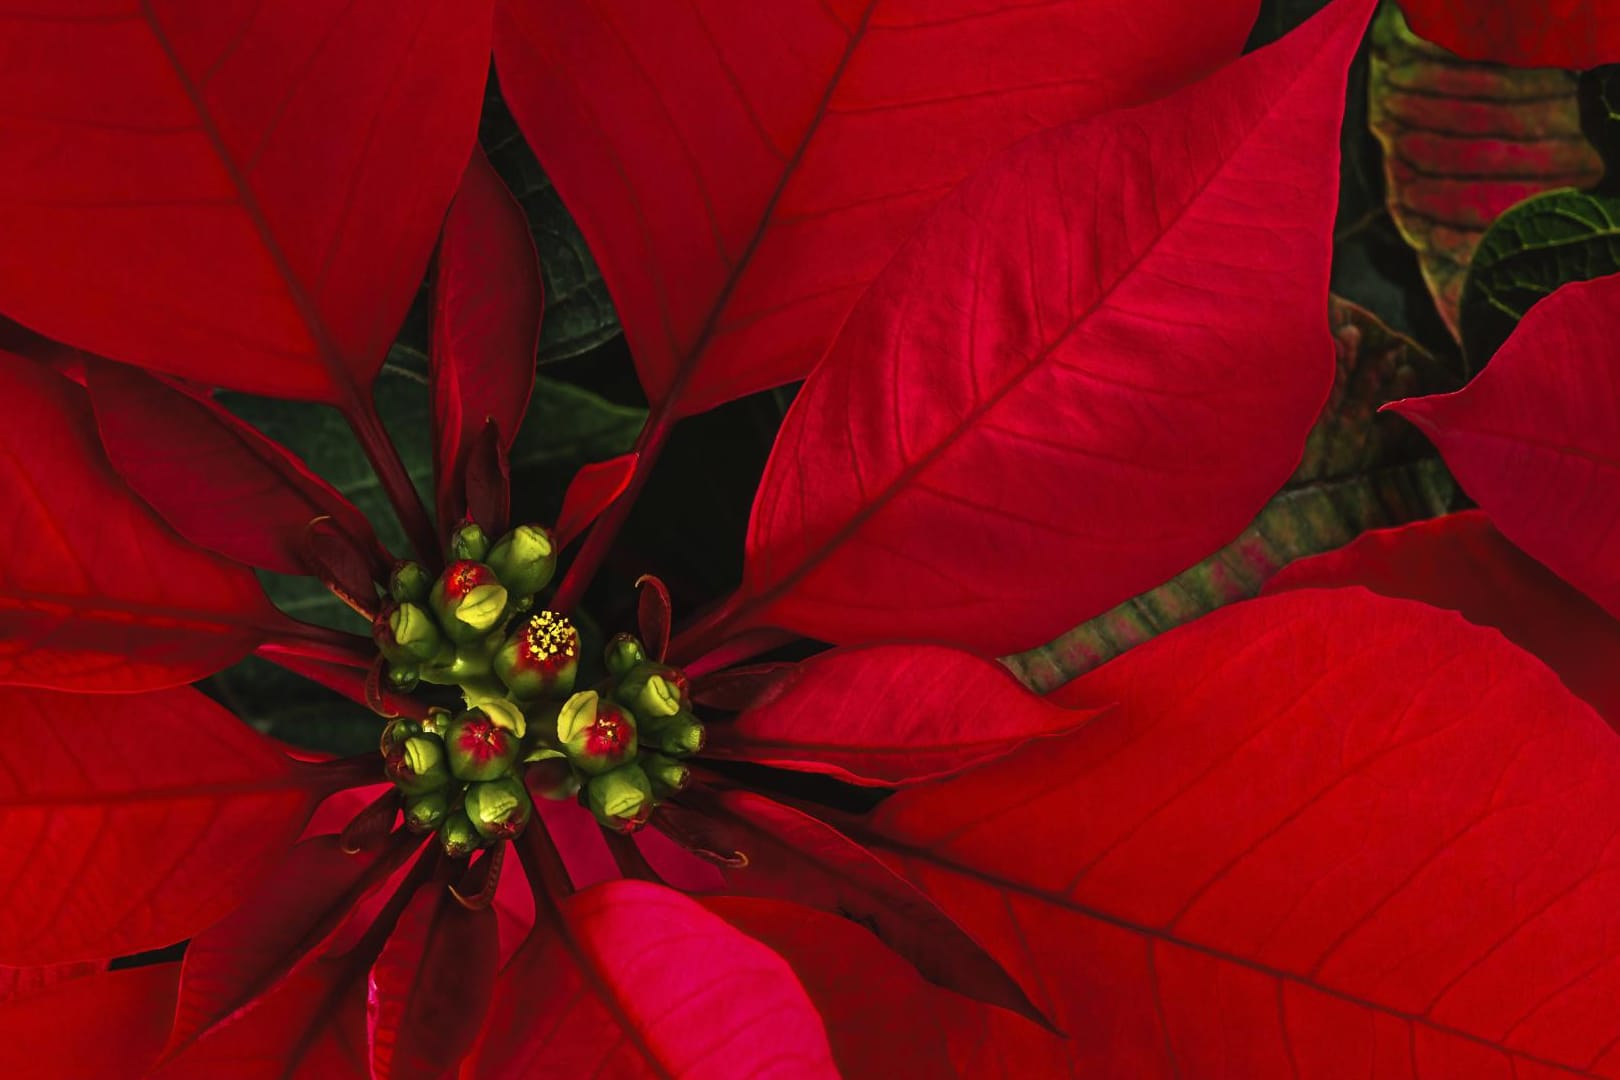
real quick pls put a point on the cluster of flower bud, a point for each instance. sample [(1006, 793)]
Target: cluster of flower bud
[(618, 747), (457, 630), (459, 774), (469, 776)]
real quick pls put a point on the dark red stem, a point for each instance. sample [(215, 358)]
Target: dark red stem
[(396, 482)]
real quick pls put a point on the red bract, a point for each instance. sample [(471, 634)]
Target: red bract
[(1088, 292), (754, 169), (1526, 33), (1535, 437), (1378, 836), (1098, 351)]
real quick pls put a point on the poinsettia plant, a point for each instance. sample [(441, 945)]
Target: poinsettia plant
[(1056, 279)]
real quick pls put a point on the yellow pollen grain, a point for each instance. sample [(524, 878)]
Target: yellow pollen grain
[(549, 634)]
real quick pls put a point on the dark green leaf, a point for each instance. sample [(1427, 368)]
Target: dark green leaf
[(1542, 243), (579, 313), (1360, 471)]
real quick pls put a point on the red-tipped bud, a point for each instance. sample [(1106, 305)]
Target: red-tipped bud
[(549, 776), (416, 764), (469, 600), (479, 748), (457, 835), (525, 559), (426, 812), (469, 543), (622, 799), (623, 652), (597, 734), (498, 809), (406, 634), (541, 657), (667, 775), (409, 583)]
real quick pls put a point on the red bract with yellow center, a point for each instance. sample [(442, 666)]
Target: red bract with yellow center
[(1055, 276)]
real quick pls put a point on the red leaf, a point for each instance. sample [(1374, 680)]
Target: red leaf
[(652, 615), (107, 1025), (1087, 370), (95, 593), (631, 979), (755, 167), (782, 854), (348, 681), (17, 982), (486, 481), (215, 479), (431, 986), (592, 491), (580, 841), (137, 820), (1363, 826), (880, 1016), (751, 687), (487, 300), (892, 714), (1535, 437), (251, 951), (347, 569), (242, 195), (312, 1025), (1461, 563), (1526, 33)]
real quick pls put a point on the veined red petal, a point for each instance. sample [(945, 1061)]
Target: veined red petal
[(639, 980), (892, 714), (214, 478), (139, 820), (431, 987), (97, 594), (487, 299), (756, 166), (1089, 368), (1525, 33), (246, 196), (1374, 833), (45, 1035), (1535, 437), (1462, 563)]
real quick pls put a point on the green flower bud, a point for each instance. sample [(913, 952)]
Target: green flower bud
[(469, 600), (416, 764), (668, 685), (425, 812), (649, 693), (667, 775), (623, 652), (469, 542), (597, 734), (680, 736), (499, 809), (524, 559), (437, 722), (406, 634), (396, 731), (409, 582), (404, 677), (457, 835), (541, 657), (621, 799), (550, 776), (478, 748)]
